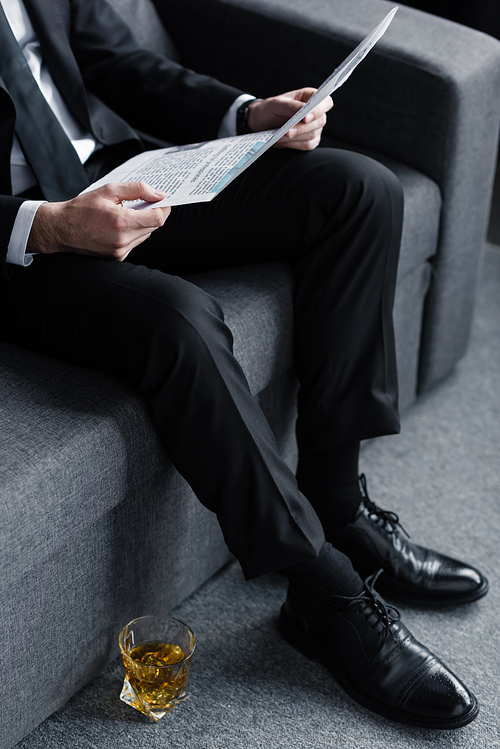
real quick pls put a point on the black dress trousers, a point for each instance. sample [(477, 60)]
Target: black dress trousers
[(336, 217)]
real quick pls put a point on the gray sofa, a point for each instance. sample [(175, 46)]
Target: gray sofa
[(95, 525)]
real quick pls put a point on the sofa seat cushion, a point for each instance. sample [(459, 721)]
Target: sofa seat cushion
[(257, 301)]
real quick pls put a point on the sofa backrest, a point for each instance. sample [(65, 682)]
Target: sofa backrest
[(146, 26)]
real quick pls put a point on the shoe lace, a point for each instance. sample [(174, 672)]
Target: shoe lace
[(386, 516), (385, 615)]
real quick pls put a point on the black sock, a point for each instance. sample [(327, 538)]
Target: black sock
[(321, 583), (329, 480)]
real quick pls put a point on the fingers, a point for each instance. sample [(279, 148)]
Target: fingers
[(128, 219), (302, 96), (151, 218), (135, 191), (273, 112), (129, 227), (316, 117), (124, 192), (306, 134), (309, 125), (313, 140)]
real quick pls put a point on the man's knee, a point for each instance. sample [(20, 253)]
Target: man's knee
[(360, 177)]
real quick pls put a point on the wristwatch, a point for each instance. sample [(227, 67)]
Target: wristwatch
[(242, 117)]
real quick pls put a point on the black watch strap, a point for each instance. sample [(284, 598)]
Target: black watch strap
[(242, 117)]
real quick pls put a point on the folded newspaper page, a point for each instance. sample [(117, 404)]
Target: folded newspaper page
[(199, 171)]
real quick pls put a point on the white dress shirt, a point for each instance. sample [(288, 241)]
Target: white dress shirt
[(83, 142)]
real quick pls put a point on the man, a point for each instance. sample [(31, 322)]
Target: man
[(105, 290)]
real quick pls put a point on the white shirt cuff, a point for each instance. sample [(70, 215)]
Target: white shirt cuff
[(16, 251), (228, 124)]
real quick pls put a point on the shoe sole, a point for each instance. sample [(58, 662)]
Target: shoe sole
[(303, 644)]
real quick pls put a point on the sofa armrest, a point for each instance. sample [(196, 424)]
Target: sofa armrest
[(427, 95)]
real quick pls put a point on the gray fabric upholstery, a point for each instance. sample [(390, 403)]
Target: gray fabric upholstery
[(257, 304), (96, 527), (148, 30), (408, 313)]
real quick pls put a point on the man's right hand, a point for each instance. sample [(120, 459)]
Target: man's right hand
[(96, 223)]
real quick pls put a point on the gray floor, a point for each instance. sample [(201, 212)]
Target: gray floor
[(250, 689)]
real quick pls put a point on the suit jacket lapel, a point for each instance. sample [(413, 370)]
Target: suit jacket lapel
[(51, 21)]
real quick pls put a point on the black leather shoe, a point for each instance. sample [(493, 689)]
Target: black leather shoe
[(379, 663), (412, 574)]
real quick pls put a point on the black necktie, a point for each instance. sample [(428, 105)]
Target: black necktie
[(47, 148)]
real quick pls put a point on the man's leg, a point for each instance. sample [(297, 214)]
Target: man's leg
[(336, 217)]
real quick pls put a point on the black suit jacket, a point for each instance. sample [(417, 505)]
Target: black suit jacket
[(112, 87)]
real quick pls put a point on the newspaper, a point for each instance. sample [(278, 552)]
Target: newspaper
[(199, 171)]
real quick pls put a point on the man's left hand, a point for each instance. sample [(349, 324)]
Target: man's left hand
[(272, 113)]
